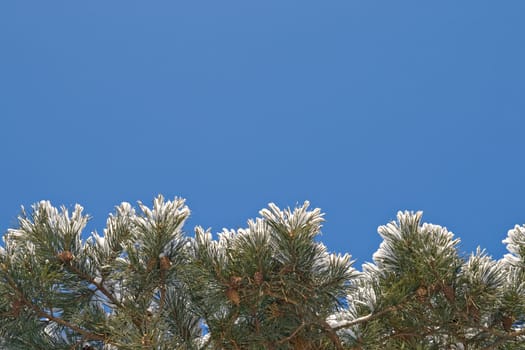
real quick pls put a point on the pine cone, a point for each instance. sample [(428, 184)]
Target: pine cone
[(258, 278), (233, 296), (152, 263), (422, 291), (146, 340), (449, 293), (235, 281), (275, 310), (165, 263), (16, 306), (65, 257), (507, 322)]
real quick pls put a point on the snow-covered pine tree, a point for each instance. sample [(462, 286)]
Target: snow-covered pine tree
[(144, 284), (421, 294), (271, 285), (120, 290)]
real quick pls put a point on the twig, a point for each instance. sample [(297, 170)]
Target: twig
[(333, 336), (294, 333), (366, 318), (504, 338)]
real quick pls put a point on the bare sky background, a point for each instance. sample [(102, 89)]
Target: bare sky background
[(362, 107)]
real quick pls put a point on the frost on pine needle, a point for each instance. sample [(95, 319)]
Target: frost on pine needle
[(481, 270), (143, 283), (408, 242), (515, 243)]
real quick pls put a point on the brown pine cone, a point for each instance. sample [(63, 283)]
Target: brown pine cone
[(507, 322), (233, 296), (258, 278), (152, 263), (449, 293), (165, 263), (65, 257), (235, 281)]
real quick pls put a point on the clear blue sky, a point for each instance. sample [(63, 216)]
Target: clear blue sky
[(362, 107)]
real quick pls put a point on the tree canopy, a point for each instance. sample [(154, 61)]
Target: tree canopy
[(144, 283)]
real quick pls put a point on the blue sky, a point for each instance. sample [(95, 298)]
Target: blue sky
[(362, 107)]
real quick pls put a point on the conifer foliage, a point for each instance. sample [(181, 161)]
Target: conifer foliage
[(146, 284)]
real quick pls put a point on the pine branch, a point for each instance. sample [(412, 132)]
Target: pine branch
[(99, 285), (332, 335), (504, 338), (42, 314), (371, 316), (292, 335)]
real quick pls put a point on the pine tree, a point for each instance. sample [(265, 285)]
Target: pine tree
[(145, 284)]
